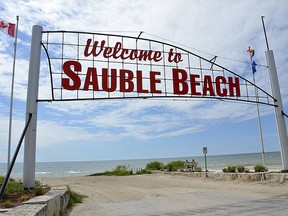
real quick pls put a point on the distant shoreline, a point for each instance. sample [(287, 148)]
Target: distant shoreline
[(83, 168), (153, 158)]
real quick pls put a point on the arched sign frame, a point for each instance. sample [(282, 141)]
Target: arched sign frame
[(203, 78), (159, 70)]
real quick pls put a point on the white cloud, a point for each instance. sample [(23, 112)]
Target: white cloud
[(224, 28)]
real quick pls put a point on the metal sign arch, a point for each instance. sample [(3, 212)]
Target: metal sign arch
[(165, 70), (160, 72)]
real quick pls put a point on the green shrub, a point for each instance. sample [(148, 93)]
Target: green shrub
[(97, 174), (24, 198), (122, 170), (284, 171), (2, 178), (38, 184), (38, 191), (240, 169), (8, 204), (14, 192), (154, 165), (231, 169), (198, 169), (143, 171), (260, 168), (74, 198), (175, 165), (14, 187)]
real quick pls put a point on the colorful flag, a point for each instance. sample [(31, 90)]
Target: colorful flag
[(251, 51), (254, 67), (253, 63), (8, 28)]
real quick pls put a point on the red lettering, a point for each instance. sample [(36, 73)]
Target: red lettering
[(140, 83), (222, 92), (126, 80), (194, 84), (149, 55), (119, 52), (105, 80), (93, 51), (133, 54), (154, 81), (123, 53), (234, 85), (208, 86), (91, 79), (107, 52), (177, 81), (72, 75), (170, 55), (157, 56), (117, 48), (145, 55), (174, 57)]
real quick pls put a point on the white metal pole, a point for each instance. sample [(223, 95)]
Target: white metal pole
[(259, 124), (280, 118), (31, 107), (258, 113), (11, 98)]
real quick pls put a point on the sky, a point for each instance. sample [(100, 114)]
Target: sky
[(136, 129)]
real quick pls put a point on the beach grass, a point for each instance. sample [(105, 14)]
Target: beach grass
[(74, 198), (154, 165), (15, 193), (121, 170), (260, 168), (174, 165), (177, 165)]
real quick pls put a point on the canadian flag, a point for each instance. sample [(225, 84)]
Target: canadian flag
[(8, 28)]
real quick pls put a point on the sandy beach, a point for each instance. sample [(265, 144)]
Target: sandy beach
[(173, 195)]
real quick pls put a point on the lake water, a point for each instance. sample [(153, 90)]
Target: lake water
[(81, 168)]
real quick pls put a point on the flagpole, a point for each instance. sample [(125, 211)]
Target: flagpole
[(259, 124), (259, 118), (264, 29), (12, 92)]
